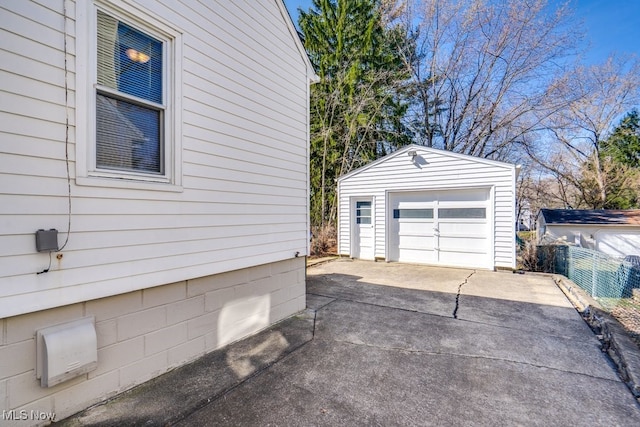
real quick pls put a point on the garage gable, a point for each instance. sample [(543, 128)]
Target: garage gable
[(431, 206)]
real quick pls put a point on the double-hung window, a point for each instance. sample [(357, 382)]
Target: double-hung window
[(130, 102), (132, 118)]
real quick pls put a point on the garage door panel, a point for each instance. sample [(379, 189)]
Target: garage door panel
[(416, 242), (440, 227), (463, 244), (419, 198), (463, 259), (462, 195), (418, 256), (462, 235), (414, 227), (469, 228)]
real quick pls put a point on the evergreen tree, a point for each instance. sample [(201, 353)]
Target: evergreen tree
[(356, 108), (623, 145), (619, 181), (621, 152)]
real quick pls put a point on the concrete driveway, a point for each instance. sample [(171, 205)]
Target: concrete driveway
[(393, 344), (411, 345)]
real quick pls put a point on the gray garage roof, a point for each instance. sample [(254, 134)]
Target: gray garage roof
[(591, 216)]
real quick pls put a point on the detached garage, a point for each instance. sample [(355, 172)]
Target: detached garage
[(429, 206), (614, 232)]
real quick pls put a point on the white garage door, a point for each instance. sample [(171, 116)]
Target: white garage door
[(441, 227)]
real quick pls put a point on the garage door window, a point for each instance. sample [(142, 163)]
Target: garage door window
[(412, 213), (462, 213), (363, 212)]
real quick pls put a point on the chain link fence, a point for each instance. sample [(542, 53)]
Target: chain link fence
[(601, 275)]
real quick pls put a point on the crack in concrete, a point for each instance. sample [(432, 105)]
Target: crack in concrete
[(337, 298), (455, 309), (315, 313), (474, 356), (428, 313), (315, 318), (332, 298)]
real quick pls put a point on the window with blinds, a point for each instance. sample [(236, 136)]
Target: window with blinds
[(130, 103)]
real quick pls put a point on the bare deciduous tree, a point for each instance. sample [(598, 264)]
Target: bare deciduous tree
[(600, 95), (482, 70)]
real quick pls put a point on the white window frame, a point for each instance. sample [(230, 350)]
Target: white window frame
[(87, 173)]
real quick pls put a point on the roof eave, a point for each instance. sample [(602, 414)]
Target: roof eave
[(410, 147), (311, 73)]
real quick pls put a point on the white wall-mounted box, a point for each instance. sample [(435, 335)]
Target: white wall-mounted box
[(66, 351)]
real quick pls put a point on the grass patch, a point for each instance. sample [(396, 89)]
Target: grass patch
[(527, 235)]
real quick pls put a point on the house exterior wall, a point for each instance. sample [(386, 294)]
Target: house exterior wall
[(145, 333), (160, 267), (439, 170), (541, 226), (243, 196), (616, 241), (572, 234)]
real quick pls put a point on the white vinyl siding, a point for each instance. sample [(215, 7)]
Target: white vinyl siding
[(243, 199), (441, 171), (615, 240)]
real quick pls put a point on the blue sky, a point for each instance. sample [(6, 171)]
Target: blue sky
[(610, 25)]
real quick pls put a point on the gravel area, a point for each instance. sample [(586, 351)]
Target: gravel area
[(627, 312)]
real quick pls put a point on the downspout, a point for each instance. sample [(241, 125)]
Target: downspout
[(308, 150), (338, 222), (514, 221), (313, 78)]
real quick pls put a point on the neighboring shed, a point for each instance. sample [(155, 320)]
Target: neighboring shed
[(167, 143), (614, 232), (429, 206)]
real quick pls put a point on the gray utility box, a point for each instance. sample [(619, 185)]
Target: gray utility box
[(47, 240)]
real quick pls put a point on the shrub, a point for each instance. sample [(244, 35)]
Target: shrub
[(323, 241)]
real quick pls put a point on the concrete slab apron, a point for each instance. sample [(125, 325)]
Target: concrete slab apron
[(411, 345)]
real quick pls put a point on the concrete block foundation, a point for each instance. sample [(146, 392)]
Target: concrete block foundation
[(144, 334)]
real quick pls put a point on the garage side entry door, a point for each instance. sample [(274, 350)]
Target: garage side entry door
[(441, 227), (362, 235)]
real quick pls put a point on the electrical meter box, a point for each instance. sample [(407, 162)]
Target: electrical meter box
[(47, 240)]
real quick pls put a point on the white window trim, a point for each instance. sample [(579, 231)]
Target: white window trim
[(86, 82)]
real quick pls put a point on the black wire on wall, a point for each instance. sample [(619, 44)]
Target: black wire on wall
[(66, 106)]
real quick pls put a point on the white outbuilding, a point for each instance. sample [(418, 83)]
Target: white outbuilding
[(429, 206), (615, 232)]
